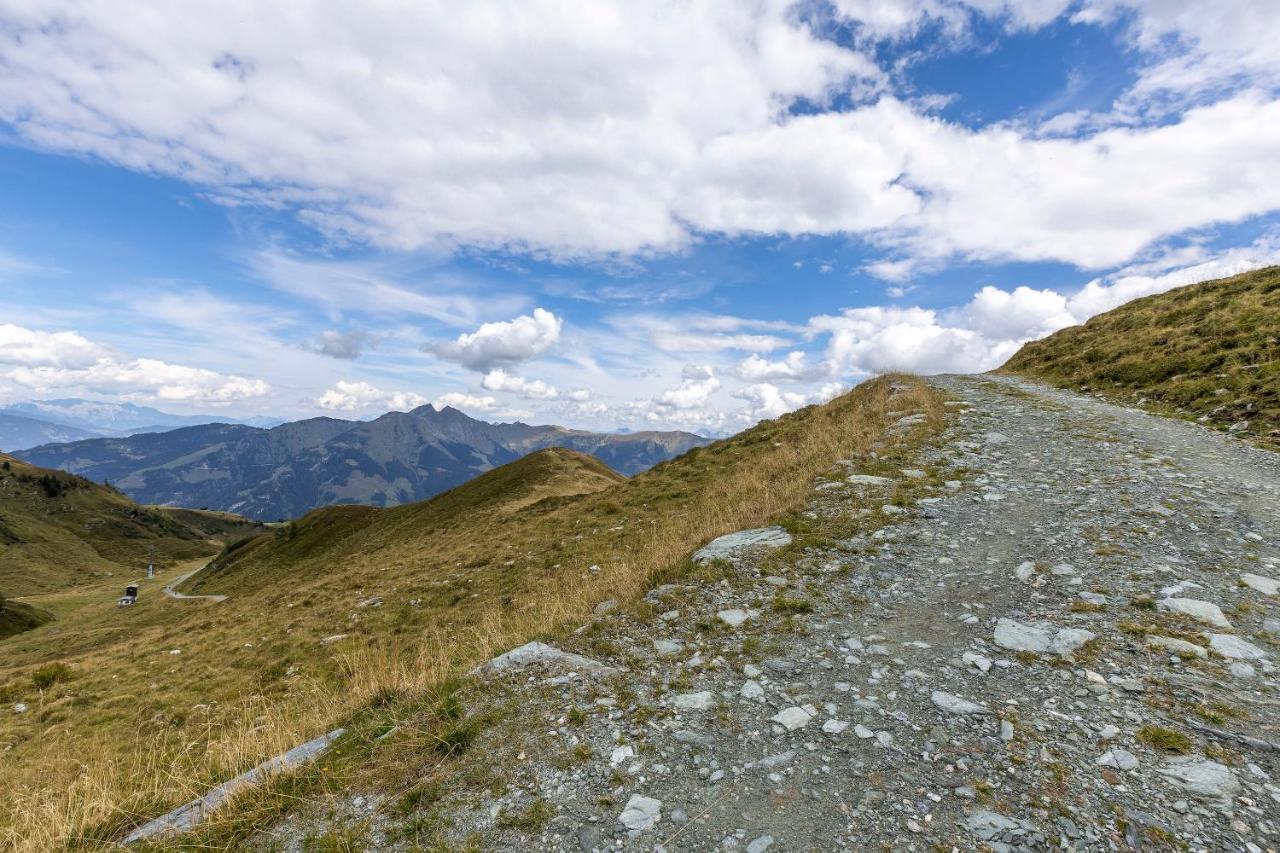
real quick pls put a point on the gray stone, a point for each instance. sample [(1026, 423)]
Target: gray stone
[(1120, 759), (189, 816), (1039, 638), (700, 701), (1231, 646), (1203, 611), (733, 618), (541, 653), (640, 813), (1264, 585), (1178, 647), (868, 480), (1202, 778), (730, 544), (761, 844), (794, 717), (955, 705)]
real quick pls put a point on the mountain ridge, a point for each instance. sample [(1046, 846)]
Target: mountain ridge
[(290, 469)]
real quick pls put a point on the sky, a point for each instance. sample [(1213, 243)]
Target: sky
[(616, 215)]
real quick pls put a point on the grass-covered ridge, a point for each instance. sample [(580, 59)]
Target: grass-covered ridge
[(1208, 351), (417, 595), (58, 530)]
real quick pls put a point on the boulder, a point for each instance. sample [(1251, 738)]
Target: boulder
[(1231, 646), (640, 813), (732, 544), (1201, 611), (1039, 637), (541, 653)]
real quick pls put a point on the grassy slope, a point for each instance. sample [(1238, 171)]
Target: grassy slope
[(338, 536), (16, 617), (504, 559), (57, 530), (1209, 351)]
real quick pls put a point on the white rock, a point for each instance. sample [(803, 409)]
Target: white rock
[(1240, 669), (733, 618), (1025, 571), (667, 647), (751, 690), (20, 708), (700, 701), (834, 727), (1231, 646), (863, 732), (1120, 759), (761, 844), (640, 813), (868, 480), (620, 754), (1178, 647), (536, 652), (792, 718), (730, 544), (955, 705), (1264, 585), (1203, 611), (1040, 638), (1203, 778), (977, 661)]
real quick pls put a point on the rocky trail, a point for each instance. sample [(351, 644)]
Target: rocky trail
[(170, 589), (1069, 642)]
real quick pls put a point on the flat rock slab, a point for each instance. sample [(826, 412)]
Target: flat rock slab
[(1202, 778), (531, 653), (1039, 637), (955, 705), (1201, 611), (1231, 646), (640, 813), (868, 480), (1173, 645), (731, 544), (1264, 585), (188, 817)]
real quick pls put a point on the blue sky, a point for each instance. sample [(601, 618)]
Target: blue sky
[(688, 216)]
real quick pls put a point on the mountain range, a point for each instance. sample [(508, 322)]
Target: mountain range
[(30, 424), (288, 470)]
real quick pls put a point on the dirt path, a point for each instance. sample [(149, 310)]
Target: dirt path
[(999, 665), (173, 593)]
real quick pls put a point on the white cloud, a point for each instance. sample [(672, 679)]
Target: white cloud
[(503, 343), (468, 402), (346, 396), (531, 389), (46, 362), (30, 348), (756, 369), (768, 401), (698, 382), (626, 128)]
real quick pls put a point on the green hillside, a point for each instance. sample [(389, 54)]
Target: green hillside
[(1208, 351), (58, 530), (17, 616)]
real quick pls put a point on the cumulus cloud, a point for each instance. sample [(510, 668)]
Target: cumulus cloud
[(503, 343), (628, 128), (347, 396), (756, 369), (467, 402), (45, 362), (698, 382), (532, 389)]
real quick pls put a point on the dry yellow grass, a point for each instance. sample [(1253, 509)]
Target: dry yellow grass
[(136, 730)]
